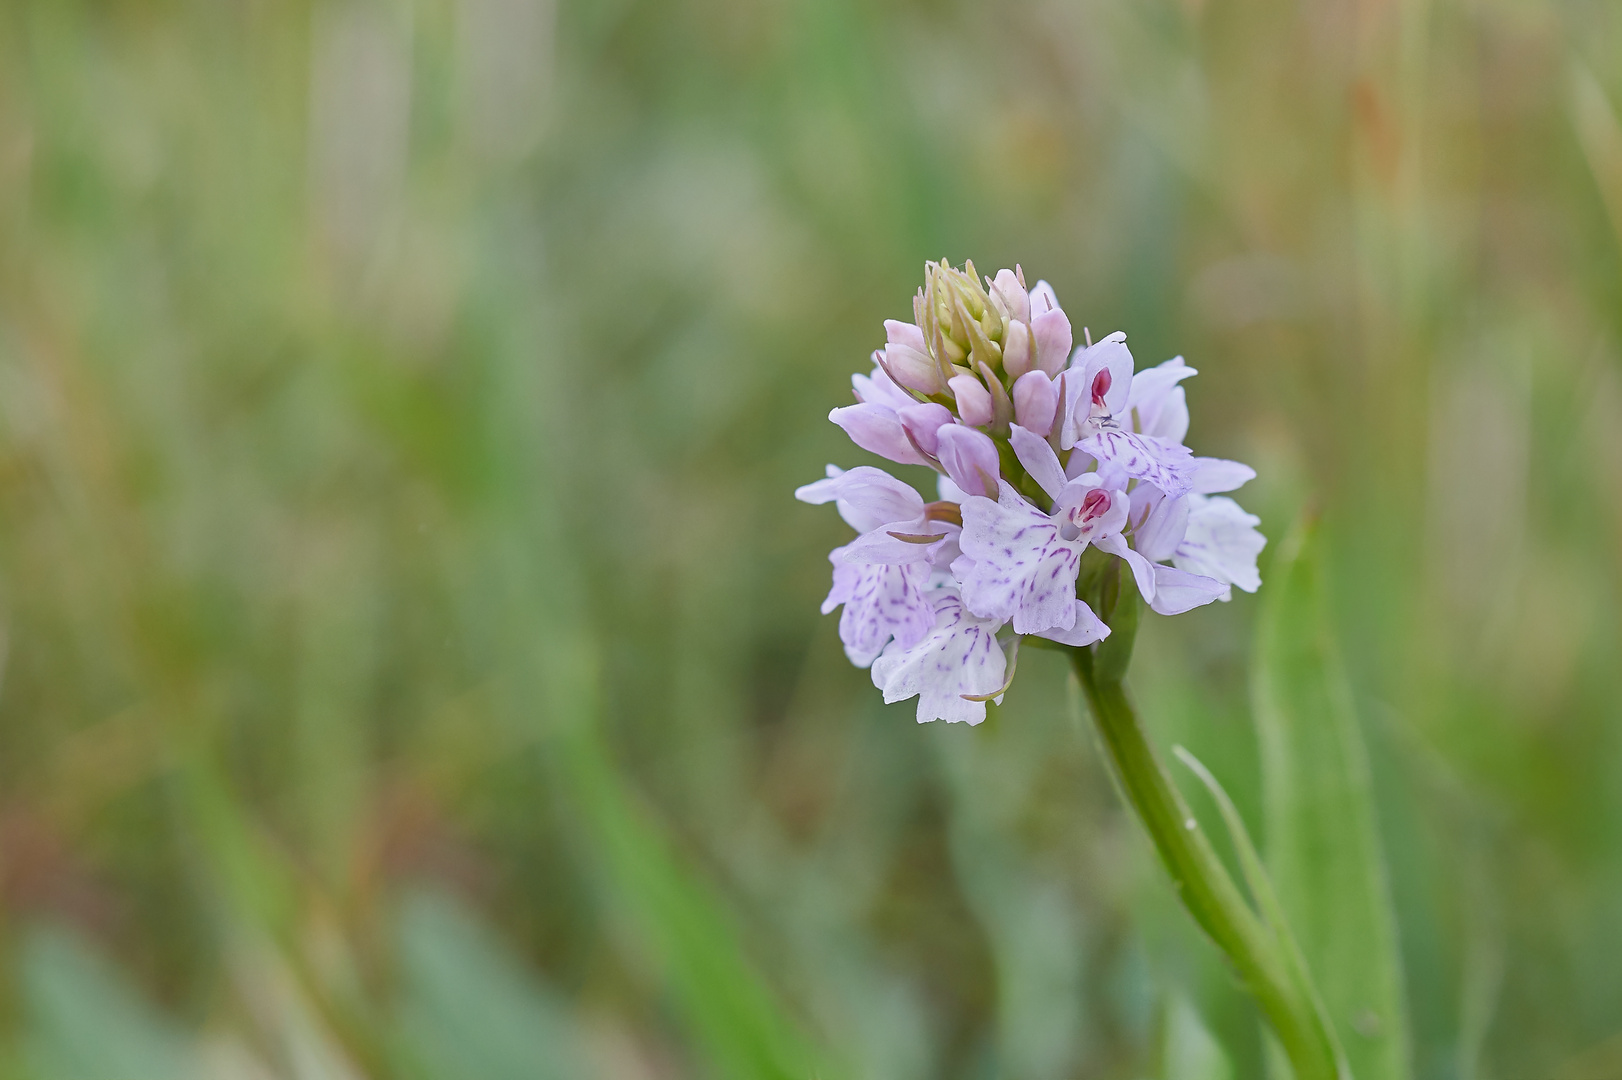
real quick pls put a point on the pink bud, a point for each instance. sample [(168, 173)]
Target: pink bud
[(908, 360), (1036, 399), (969, 458), (1006, 287), (1043, 298), (923, 421), (876, 428), (897, 332), (1051, 335), (973, 400), (1017, 355)]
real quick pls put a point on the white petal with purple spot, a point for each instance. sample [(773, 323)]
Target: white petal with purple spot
[(1024, 570), (1168, 466), (881, 602), (960, 655), (1221, 542)]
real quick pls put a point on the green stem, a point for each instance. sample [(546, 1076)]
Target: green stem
[(1203, 883)]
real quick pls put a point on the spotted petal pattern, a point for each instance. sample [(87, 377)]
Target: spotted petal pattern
[(960, 656), (881, 602), (1023, 569), (1221, 542), (1168, 466)]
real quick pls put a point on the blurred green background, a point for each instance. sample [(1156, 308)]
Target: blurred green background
[(412, 665)]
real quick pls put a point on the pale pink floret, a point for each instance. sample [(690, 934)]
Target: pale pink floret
[(921, 423), (1166, 589), (958, 659), (1212, 475), (1157, 403), (1089, 629), (1021, 563), (877, 422), (1018, 351), (1098, 421), (1126, 455), (1039, 334), (881, 602), (1221, 542), (1051, 336), (1015, 300), (888, 514), (1097, 386), (878, 429), (973, 400), (1158, 408)]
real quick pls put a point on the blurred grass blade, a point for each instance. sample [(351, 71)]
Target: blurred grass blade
[(470, 1010), (85, 1019), (255, 897), (1322, 847), (1600, 135), (730, 1009), (728, 1006), (1188, 1051)]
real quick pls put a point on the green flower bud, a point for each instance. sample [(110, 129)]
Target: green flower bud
[(962, 323)]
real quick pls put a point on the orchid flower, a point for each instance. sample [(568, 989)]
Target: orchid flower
[(1052, 464), (1019, 562)]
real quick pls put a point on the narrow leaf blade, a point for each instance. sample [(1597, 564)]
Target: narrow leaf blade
[(1323, 850)]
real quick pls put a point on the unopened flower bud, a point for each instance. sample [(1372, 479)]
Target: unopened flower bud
[(1016, 301), (973, 400), (876, 428), (1036, 399), (1043, 298), (960, 323), (1050, 330), (1018, 357), (969, 458), (923, 421), (908, 360)]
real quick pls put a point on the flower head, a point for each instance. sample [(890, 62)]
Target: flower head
[(1061, 470)]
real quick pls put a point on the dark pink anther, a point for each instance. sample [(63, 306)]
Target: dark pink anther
[(1101, 385)]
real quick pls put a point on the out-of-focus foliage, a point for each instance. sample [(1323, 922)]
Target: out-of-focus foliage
[(1323, 851), (412, 665)]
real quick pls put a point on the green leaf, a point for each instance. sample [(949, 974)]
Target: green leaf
[(1323, 849), (1188, 1050), (470, 1009), (735, 1015), (726, 1003), (86, 1019)]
